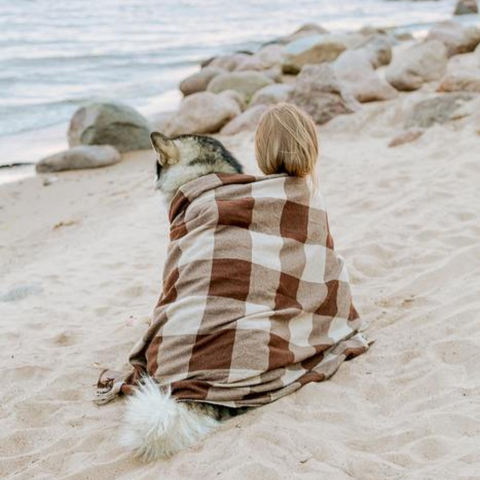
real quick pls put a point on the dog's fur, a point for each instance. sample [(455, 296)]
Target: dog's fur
[(156, 425), (187, 157)]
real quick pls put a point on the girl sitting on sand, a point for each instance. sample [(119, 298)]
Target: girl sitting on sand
[(255, 301)]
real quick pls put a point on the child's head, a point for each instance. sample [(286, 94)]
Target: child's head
[(286, 142)]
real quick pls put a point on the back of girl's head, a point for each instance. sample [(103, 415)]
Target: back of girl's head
[(286, 142)]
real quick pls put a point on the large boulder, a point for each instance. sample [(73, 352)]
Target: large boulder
[(319, 92), (198, 82), (109, 123), (316, 49), (465, 7), (440, 109), (424, 62), (80, 157), (247, 121), (203, 112), (246, 83), (461, 81), (271, 94), (354, 69), (456, 38)]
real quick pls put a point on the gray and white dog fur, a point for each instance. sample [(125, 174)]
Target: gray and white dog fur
[(156, 426)]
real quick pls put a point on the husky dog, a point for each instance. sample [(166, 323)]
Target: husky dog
[(156, 425), (187, 157)]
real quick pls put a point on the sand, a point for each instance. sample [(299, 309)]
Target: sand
[(80, 269)]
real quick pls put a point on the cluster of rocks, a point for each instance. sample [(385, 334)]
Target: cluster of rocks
[(328, 75), (325, 74)]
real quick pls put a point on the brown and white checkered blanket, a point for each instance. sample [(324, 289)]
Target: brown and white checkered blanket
[(256, 303)]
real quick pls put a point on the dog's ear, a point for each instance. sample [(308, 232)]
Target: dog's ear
[(168, 153)]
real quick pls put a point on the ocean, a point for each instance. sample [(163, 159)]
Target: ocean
[(56, 55)]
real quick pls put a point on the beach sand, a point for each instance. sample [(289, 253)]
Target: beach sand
[(81, 262)]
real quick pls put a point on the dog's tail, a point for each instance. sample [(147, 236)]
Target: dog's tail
[(156, 426)]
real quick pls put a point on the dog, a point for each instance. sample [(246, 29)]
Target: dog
[(187, 157), (156, 426)]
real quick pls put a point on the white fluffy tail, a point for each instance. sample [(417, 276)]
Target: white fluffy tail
[(156, 426)]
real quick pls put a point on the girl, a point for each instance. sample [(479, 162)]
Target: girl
[(255, 301)]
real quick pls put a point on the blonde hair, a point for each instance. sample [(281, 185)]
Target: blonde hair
[(286, 142)]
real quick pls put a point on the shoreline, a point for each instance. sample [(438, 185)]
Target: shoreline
[(49, 140)]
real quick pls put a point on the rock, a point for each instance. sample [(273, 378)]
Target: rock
[(477, 55), (271, 94), (80, 157), (319, 92), (109, 123), (247, 121), (198, 82), (316, 49), (408, 136), (370, 30), (252, 63), (306, 30), (228, 62), (421, 63), (353, 68), (440, 109), (203, 112), (270, 55), (403, 36), (379, 50), (456, 38), (246, 83), (237, 97), (462, 81), (274, 73), (465, 7)]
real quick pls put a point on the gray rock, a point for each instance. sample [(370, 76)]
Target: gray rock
[(408, 136), (203, 112), (247, 83), (109, 123), (247, 121), (465, 7), (354, 69), (319, 92), (78, 158), (421, 63), (461, 81), (198, 82), (440, 109), (271, 94), (456, 38), (316, 49)]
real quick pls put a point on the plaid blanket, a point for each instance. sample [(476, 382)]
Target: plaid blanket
[(256, 303)]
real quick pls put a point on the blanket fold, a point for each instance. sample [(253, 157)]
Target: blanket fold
[(255, 304)]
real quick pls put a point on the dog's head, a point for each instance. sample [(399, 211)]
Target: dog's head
[(187, 157)]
